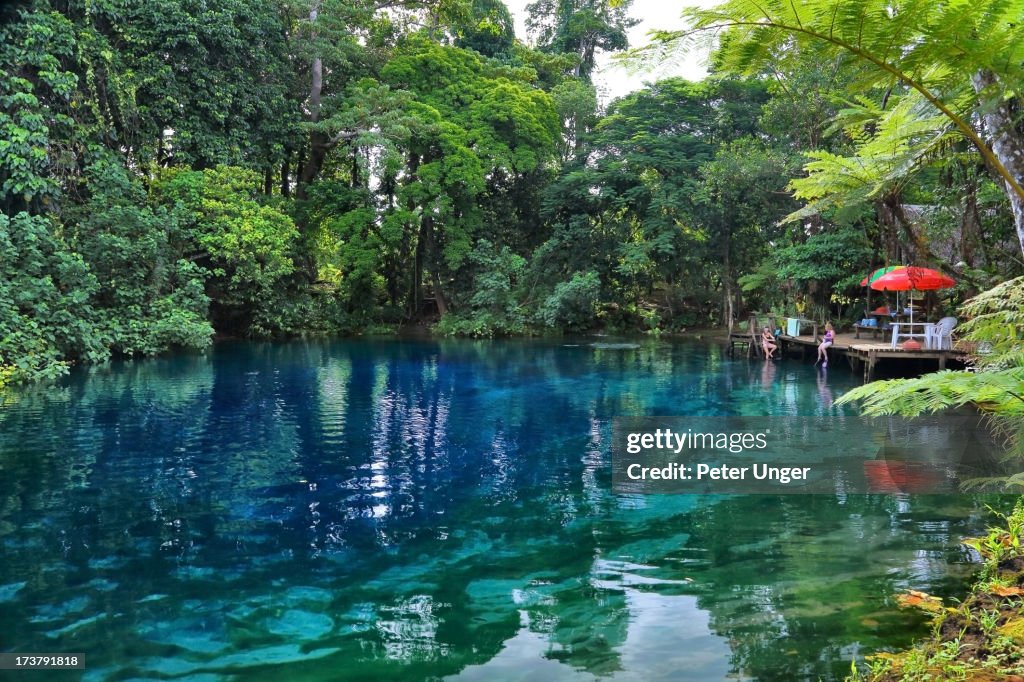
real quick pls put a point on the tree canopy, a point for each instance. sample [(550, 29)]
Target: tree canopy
[(174, 171), (962, 58)]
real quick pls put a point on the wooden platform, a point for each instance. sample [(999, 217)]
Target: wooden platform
[(865, 354), (750, 338)]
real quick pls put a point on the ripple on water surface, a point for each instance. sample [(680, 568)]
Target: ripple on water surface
[(410, 510)]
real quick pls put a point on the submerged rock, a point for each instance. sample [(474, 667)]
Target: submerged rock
[(285, 653), (8, 591), (302, 625), (302, 594), (76, 625)]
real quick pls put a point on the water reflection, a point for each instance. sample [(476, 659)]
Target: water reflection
[(381, 509)]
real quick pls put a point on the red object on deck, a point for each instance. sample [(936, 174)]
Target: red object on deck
[(911, 344)]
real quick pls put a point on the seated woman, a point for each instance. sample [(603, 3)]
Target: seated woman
[(826, 341), (768, 343)]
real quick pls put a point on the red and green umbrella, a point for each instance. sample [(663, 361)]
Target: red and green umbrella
[(880, 272), (912, 278)]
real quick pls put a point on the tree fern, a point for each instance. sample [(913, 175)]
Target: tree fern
[(889, 146), (944, 51), (997, 326)]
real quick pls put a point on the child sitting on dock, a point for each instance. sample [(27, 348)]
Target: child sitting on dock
[(768, 343), (829, 338)]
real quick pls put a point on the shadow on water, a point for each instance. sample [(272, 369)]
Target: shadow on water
[(422, 509)]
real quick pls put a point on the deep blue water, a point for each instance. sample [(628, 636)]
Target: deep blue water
[(409, 510)]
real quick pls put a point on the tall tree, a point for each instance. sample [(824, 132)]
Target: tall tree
[(472, 122), (639, 209), (581, 28), (489, 29), (739, 204)]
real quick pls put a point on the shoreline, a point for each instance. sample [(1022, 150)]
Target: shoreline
[(982, 637)]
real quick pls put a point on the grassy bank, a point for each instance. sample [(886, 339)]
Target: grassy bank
[(980, 639)]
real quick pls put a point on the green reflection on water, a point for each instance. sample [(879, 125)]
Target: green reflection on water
[(416, 510)]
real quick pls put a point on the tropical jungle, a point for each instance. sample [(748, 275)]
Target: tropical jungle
[(198, 191)]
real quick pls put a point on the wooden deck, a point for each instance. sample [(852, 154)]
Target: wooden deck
[(866, 354)]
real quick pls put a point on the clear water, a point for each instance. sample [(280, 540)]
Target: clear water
[(387, 510)]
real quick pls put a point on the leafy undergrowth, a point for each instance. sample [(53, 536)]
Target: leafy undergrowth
[(980, 640)]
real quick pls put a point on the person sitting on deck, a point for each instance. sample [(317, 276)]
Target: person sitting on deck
[(768, 343), (829, 338)]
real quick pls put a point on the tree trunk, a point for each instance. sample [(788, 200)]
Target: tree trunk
[(729, 312), (417, 280), (587, 51), (318, 148), (727, 283), (317, 140), (889, 222), (427, 239), (891, 209), (286, 189), (412, 166), (442, 302), (1007, 144), (970, 223)]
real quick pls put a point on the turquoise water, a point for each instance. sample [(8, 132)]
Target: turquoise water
[(388, 510)]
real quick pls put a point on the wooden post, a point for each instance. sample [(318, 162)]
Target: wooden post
[(754, 346)]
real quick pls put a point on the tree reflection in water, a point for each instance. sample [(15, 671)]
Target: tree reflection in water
[(405, 510)]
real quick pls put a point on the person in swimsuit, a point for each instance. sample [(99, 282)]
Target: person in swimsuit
[(829, 338), (768, 343)]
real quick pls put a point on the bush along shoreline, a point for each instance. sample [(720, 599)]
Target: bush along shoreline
[(980, 639)]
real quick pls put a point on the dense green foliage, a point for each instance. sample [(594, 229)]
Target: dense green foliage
[(950, 66), (171, 171)]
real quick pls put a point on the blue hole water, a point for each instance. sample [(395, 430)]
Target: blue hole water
[(411, 510)]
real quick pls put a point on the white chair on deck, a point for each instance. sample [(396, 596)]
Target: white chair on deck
[(940, 334)]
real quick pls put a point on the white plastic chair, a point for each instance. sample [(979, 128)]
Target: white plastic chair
[(940, 334), (895, 326)]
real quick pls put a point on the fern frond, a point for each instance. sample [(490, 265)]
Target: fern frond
[(931, 47), (903, 139)]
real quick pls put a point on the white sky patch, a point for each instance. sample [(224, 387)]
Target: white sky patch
[(613, 80)]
